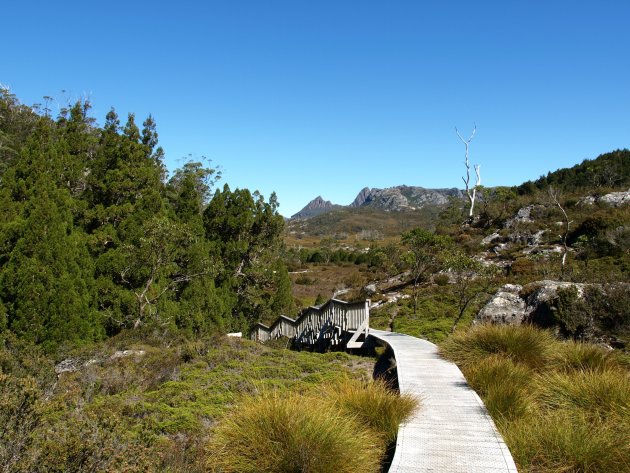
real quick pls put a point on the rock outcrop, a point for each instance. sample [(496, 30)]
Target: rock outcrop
[(505, 307), (361, 197), (514, 305), (614, 199), (403, 197), (524, 215)]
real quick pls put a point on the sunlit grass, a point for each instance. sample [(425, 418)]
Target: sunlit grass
[(561, 406), (525, 344), (373, 404), (566, 441), (602, 394), (572, 356), (504, 385), (293, 433)]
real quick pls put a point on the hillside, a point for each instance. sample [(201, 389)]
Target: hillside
[(358, 225), (519, 232)]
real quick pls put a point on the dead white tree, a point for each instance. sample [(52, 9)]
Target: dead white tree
[(470, 192), (554, 196)]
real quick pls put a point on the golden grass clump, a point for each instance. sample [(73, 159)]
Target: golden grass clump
[(374, 404), (564, 441), (504, 386), (602, 394), (573, 356), (293, 433), (523, 344)]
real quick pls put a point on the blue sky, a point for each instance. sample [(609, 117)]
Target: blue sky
[(326, 97)]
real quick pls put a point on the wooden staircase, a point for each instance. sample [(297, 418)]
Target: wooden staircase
[(335, 324)]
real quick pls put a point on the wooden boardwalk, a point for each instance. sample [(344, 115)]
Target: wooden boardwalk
[(452, 431)]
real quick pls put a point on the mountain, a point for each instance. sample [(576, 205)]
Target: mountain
[(403, 197), (396, 198), (315, 207)]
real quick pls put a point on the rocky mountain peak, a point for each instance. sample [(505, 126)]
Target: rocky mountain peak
[(361, 197), (315, 207)]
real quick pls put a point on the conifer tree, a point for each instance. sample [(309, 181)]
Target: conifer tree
[(46, 281)]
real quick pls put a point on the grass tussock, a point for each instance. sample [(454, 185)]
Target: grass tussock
[(564, 441), (603, 394), (561, 406), (373, 404), (504, 386), (575, 356), (525, 344), (290, 434)]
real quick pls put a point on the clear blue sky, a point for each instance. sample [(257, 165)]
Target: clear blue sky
[(326, 97)]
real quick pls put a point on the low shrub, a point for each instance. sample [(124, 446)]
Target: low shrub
[(525, 344), (441, 279), (305, 280), (290, 434)]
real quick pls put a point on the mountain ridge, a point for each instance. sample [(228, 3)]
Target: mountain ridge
[(396, 198)]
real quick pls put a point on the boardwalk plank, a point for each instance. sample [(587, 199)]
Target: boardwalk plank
[(452, 432)]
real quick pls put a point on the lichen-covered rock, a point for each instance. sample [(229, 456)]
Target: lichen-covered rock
[(491, 239), (524, 215), (126, 353), (514, 305), (546, 290), (505, 307), (614, 199)]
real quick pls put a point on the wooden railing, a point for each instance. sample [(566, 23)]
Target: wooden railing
[(330, 325)]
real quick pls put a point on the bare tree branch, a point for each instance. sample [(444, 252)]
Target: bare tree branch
[(554, 195), (471, 193)]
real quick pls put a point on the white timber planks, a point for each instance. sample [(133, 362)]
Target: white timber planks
[(451, 432)]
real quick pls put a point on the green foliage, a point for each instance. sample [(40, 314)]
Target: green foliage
[(246, 232), (434, 315), (93, 240), (424, 256), (599, 310), (150, 409), (606, 171)]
